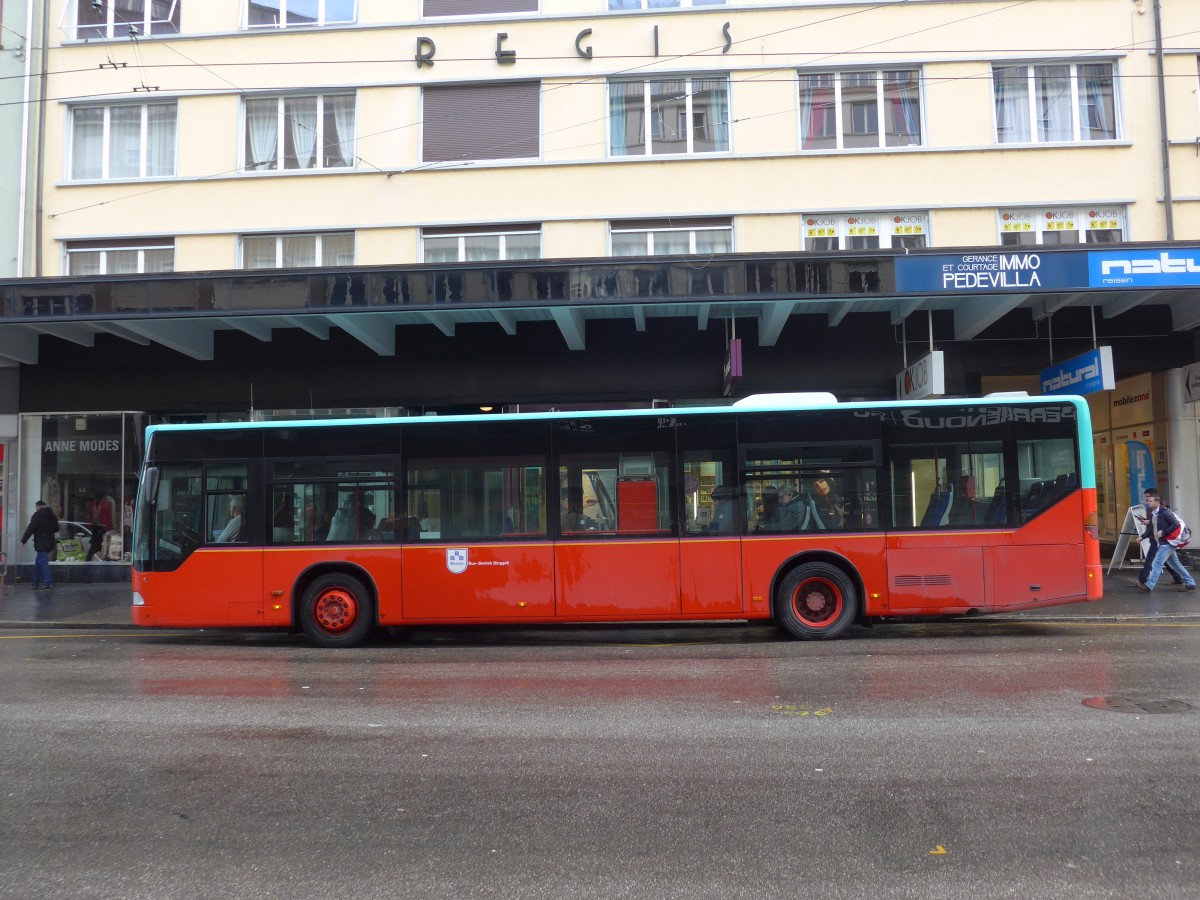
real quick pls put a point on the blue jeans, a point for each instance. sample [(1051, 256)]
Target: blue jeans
[(41, 569), (1149, 564), (1168, 557)]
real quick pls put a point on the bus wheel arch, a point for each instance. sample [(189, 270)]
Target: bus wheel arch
[(336, 604), (817, 596)]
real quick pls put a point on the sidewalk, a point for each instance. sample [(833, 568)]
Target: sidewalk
[(107, 605)]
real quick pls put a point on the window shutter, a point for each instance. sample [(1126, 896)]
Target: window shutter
[(476, 7), (481, 121)]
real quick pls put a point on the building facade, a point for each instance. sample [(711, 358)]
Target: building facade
[(446, 169)]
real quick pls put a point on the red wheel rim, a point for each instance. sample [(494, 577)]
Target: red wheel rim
[(335, 610), (817, 602)]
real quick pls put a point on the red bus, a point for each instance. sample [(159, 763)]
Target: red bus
[(813, 516)]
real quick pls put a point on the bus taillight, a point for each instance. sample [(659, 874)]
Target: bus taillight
[(1091, 525)]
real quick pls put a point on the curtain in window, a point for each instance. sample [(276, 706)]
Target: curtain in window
[(160, 154), (1054, 103), (87, 142), (630, 243), (1011, 85), (84, 263), (300, 113), (902, 99), (122, 262), (160, 260), (481, 247), (259, 252), (522, 246), (337, 249), (710, 115), (617, 112), (716, 240), (261, 133), (299, 250), (125, 142), (670, 243), (343, 118), (441, 249), (818, 114), (1097, 121)]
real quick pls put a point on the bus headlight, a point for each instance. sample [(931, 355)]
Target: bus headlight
[(137, 599)]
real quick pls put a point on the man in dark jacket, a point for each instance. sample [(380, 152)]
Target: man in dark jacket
[(1152, 542), (43, 528)]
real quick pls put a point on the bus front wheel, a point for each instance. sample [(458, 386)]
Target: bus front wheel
[(816, 601), (337, 611)]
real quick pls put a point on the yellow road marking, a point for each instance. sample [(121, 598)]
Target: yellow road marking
[(62, 635)]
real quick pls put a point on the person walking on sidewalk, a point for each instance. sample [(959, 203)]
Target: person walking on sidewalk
[(43, 528), (1163, 522), (1148, 535)]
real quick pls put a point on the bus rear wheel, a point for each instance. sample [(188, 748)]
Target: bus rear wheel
[(337, 611), (816, 601)]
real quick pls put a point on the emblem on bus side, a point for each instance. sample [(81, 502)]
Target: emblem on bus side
[(456, 560)]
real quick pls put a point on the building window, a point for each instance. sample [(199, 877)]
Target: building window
[(451, 245), (865, 231), (1030, 227), (294, 251), (849, 110), (125, 141), (671, 237), (317, 132), (137, 256), (481, 121), (668, 115), (662, 4), (298, 13), (1055, 103), (434, 8), (122, 18)]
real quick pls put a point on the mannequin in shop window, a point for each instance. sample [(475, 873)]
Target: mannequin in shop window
[(101, 516)]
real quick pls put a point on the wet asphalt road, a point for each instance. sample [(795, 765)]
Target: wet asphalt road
[(947, 760)]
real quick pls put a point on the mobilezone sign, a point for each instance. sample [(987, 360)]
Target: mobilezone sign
[(1028, 270)]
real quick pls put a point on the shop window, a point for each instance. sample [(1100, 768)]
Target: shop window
[(458, 244), (298, 13), (290, 251), (661, 116), (125, 18), (88, 258), (85, 469), (1061, 102), (671, 237), (824, 232), (122, 141), (860, 109), (1056, 226), (481, 121), (299, 132)]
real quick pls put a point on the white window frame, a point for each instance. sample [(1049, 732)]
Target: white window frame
[(845, 227), (879, 76), (319, 247), (281, 132), (648, 117), (1042, 220), (691, 231), (69, 251), (283, 23), (106, 141), (1031, 101), (462, 237), (113, 28)]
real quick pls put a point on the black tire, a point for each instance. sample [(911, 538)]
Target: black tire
[(337, 611), (816, 601)]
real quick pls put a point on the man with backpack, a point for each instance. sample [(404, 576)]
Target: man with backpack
[(1172, 534)]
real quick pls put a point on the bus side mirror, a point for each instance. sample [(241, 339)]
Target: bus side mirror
[(150, 486)]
